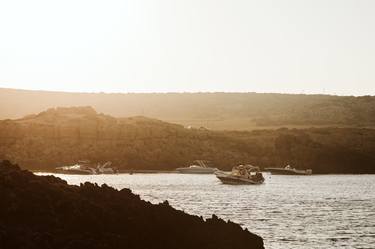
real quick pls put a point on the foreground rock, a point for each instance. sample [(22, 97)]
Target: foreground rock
[(45, 212)]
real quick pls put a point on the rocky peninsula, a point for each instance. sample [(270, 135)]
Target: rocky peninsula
[(45, 212), (63, 136)]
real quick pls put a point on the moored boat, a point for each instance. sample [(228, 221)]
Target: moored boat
[(85, 167), (106, 169), (81, 168), (288, 170), (242, 174), (199, 167)]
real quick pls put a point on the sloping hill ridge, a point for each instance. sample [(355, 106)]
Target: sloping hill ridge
[(45, 212), (231, 111), (63, 136)]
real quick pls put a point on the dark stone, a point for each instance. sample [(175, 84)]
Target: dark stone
[(45, 212)]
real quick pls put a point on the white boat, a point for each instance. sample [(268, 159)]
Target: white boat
[(288, 170), (242, 174), (84, 167), (199, 167), (81, 168)]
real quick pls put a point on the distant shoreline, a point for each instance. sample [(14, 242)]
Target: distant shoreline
[(146, 171), (121, 171)]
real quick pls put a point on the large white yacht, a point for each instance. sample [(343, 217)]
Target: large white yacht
[(198, 167)]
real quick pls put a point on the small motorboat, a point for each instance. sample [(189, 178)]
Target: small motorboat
[(85, 167), (288, 170), (242, 174), (199, 167)]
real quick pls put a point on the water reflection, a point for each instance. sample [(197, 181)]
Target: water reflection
[(319, 211)]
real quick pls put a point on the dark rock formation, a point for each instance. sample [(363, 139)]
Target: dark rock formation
[(45, 212)]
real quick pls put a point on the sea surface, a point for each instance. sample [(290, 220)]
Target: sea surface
[(288, 212)]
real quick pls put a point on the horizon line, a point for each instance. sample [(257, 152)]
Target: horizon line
[(182, 92)]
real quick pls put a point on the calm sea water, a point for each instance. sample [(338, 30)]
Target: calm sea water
[(289, 212)]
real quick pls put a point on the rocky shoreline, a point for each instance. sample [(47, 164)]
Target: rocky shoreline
[(63, 136), (45, 212)]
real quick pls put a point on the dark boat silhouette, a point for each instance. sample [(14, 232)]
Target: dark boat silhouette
[(288, 170)]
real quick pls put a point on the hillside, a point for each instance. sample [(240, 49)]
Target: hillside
[(45, 212), (230, 111), (62, 136)]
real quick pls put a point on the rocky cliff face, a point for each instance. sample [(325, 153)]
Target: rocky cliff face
[(45, 212), (63, 136)]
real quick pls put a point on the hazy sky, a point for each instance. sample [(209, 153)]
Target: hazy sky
[(310, 46)]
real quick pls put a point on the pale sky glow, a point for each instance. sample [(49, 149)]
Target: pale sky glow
[(295, 46)]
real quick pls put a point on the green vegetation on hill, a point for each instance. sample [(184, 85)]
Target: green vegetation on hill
[(230, 111), (63, 136)]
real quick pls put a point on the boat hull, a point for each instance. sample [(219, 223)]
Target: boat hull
[(74, 172), (283, 171), (236, 180), (196, 171)]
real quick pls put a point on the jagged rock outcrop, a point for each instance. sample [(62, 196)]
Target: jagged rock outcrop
[(45, 212)]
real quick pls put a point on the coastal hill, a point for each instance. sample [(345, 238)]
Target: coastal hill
[(63, 136), (230, 111), (45, 212)]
